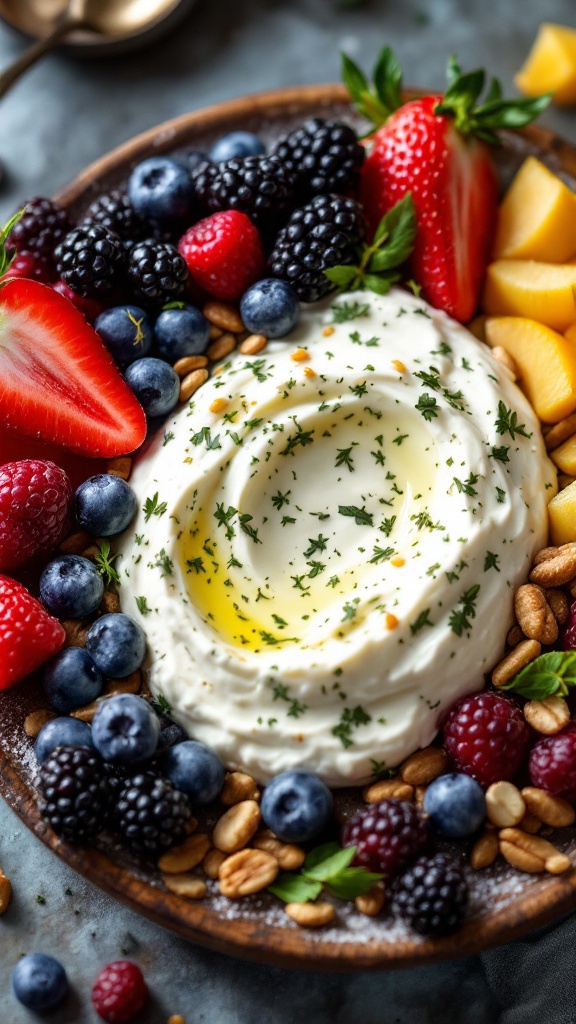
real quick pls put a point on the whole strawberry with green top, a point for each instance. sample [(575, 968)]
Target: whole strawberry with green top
[(437, 147)]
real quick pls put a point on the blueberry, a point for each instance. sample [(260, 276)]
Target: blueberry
[(105, 505), (71, 680), (155, 384), (270, 307), (297, 806), (117, 644), (182, 331), (71, 587), (196, 770), (39, 982), (126, 331), (125, 729), (62, 732), (236, 144), (160, 189), (170, 732), (455, 805)]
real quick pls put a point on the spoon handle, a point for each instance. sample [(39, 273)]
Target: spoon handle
[(12, 73)]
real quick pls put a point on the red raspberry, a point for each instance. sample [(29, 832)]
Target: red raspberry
[(30, 265), (224, 254), (119, 992), (28, 634), (387, 836), (569, 631), (487, 737), (553, 763), (91, 308), (34, 502)]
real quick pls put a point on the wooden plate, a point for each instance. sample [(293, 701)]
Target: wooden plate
[(504, 903)]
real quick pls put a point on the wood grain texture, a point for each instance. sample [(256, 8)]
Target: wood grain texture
[(138, 886)]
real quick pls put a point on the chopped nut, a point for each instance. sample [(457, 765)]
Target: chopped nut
[(419, 794), (222, 315), (534, 615), (221, 348), (247, 872), (75, 633), (504, 804), (552, 810), (86, 714), (424, 766), (531, 853), (189, 886), (186, 855), (252, 344), (371, 903), (545, 554), (91, 552), (215, 332), (515, 636), (554, 572), (530, 823), (484, 851), (212, 863), (75, 543), (130, 684), (289, 856), (238, 787), (388, 789), (560, 432), (110, 603), (185, 365), (36, 720), (521, 656), (547, 716), (5, 893), (190, 383), (237, 826), (559, 604), (120, 466), (311, 915)]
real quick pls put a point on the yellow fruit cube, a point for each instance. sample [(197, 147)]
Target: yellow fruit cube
[(562, 512), (537, 217), (527, 288), (546, 361), (551, 65), (565, 456)]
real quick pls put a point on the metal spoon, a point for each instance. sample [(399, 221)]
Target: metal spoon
[(107, 18)]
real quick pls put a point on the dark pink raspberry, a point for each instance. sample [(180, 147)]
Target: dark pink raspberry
[(569, 631), (387, 836), (553, 763), (119, 992), (31, 266), (91, 308), (34, 503), (487, 737)]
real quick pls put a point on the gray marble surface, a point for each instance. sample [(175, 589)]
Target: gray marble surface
[(65, 114)]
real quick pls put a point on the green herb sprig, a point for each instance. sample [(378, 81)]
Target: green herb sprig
[(326, 866), (552, 673), (378, 263)]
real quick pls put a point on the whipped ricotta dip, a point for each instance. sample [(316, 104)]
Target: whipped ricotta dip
[(329, 536)]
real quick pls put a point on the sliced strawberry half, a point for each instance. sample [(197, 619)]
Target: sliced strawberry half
[(57, 380)]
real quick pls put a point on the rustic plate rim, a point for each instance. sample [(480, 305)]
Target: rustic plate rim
[(247, 938)]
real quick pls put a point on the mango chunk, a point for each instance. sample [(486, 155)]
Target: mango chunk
[(546, 361), (537, 291), (562, 513), (551, 65), (571, 334), (537, 217), (565, 456)]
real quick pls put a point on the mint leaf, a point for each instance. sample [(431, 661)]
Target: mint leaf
[(377, 264), (329, 867), (352, 882), (292, 888), (551, 673)]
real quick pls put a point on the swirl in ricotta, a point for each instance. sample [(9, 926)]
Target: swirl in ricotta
[(330, 535)]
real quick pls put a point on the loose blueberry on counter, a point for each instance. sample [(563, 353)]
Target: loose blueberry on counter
[(236, 144), (127, 333), (155, 384), (71, 587), (117, 644), (297, 806), (270, 307), (125, 729), (71, 680), (181, 331), (160, 189), (62, 732), (194, 769), (39, 982), (105, 505), (455, 805)]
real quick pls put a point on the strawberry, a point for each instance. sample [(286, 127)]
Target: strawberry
[(57, 380), (224, 254), (28, 634), (437, 148)]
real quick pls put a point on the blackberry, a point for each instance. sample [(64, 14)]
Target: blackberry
[(114, 211), (157, 272), (322, 156), (387, 836), (91, 260), (73, 793), (432, 895), (325, 233), (260, 186), (150, 814), (41, 228)]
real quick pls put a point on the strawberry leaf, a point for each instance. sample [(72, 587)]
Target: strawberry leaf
[(377, 100), (551, 673)]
